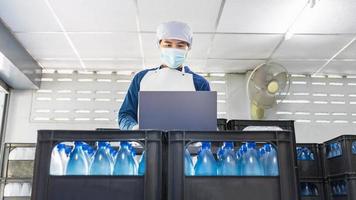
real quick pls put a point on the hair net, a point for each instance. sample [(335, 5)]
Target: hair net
[(175, 30)]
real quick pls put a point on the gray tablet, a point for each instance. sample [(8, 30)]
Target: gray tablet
[(178, 110)]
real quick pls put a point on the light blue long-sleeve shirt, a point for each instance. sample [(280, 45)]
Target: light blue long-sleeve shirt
[(128, 111)]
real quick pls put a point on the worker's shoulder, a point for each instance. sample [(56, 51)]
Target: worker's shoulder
[(196, 76), (139, 75)]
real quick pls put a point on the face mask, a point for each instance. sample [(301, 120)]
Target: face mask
[(173, 57)]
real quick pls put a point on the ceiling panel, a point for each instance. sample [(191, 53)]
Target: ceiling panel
[(311, 46), (27, 16), (52, 45), (259, 16), (301, 67), (134, 64), (238, 46), (349, 52), (328, 16), (105, 15), (237, 66), (340, 67), (201, 44), (112, 45), (201, 15)]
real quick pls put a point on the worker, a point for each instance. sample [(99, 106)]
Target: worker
[(175, 41)]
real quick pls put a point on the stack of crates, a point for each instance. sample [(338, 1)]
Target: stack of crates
[(17, 171), (340, 167), (311, 172), (94, 187)]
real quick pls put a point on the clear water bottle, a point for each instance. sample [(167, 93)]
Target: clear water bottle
[(77, 163), (241, 159), (102, 163), (188, 164), (353, 147), (142, 165), (306, 190), (206, 164), (228, 160), (270, 161), (88, 151), (219, 161), (252, 165), (56, 165), (124, 164), (133, 153)]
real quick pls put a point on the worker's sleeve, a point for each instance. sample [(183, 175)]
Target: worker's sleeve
[(200, 83), (127, 117)]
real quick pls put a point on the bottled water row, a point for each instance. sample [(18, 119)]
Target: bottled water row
[(248, 160), (334, 150), (17, 189), (304, 153), (338, 188), (82, 159), (308, 189)]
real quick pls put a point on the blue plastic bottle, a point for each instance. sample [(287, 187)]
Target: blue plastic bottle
[(228, 160), (102, 164), (142, 165), (188, 164), (353, 147), (124, 164), (252, 165), (243, 159), (271, 161), (306, 190), (77, 163), (206, 164)]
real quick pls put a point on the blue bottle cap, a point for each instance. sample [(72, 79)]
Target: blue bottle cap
[(102, 144), (229, 145), (206, 145), (61, 146), (78, 143)]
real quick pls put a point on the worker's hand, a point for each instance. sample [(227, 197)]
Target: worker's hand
[(135, 128)]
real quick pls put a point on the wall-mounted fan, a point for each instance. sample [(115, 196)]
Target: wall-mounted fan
[(264, 86)]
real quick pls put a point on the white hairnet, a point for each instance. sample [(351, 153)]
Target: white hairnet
[(175, 30)]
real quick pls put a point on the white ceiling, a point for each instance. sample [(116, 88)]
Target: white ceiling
[(229, 35)]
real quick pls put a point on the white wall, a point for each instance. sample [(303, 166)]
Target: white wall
[(21, 127)]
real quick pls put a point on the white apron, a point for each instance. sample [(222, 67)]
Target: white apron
[(167, 79)]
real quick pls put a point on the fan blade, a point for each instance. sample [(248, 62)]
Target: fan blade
[(263, 99)]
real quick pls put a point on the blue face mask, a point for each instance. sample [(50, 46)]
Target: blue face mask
[(173, 57)]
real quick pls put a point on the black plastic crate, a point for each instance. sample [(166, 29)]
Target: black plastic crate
[(317, 190), (342, 161), (282, 187), (240, 125), (341, 187), (311, 168), (222, 124), (48, 187)]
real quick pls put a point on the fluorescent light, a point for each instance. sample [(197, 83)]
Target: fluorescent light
[(320, 102), (320, 95), (321, 114), (302, 113), (284, 113), (323, 121), (44, 91), (336, 84)]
